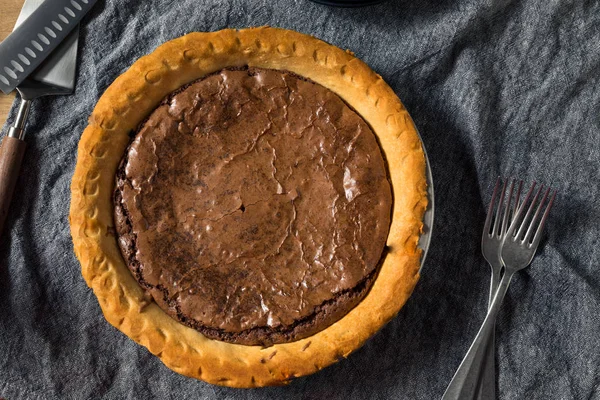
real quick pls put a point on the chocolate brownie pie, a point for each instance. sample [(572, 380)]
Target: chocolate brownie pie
[(247, 204)]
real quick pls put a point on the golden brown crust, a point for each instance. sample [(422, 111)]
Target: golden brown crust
[(134, 94)]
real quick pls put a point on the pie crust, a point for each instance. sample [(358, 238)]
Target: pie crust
[(135, 94)]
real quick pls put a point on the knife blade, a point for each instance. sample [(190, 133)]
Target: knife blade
[(58, 70), (34, 39)]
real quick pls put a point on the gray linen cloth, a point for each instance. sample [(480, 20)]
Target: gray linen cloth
[(495, 87)]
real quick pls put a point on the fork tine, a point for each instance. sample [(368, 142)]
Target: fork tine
[(519, 213), (506, 216), (517, 198), (488, 218), (538, 233), (497, 224), (529, 233), (521, 231)]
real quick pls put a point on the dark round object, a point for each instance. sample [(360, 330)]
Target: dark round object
[(348, 3)]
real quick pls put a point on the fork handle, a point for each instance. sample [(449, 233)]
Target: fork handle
[(465, 383), (487, 384)]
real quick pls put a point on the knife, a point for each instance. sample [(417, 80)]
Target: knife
[(41, 27), (54, 76)]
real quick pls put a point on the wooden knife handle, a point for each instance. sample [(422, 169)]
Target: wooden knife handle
[(11, 155)]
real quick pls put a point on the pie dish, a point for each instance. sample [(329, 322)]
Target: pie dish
[(209, 316)]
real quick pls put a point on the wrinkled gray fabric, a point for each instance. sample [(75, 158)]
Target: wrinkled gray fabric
[(495, 87)]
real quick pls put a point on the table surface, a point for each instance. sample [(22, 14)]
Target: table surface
[(9, 11)]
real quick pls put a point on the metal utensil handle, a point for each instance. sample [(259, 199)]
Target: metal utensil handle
[(464, 384), (18, 128), (487, 385)]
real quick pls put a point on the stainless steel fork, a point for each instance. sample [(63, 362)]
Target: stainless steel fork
[(491, 242), (517, 250)]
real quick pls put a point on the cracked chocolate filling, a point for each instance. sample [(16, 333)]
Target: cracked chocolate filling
[(254, 206)]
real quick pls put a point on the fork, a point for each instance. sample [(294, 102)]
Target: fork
[(518, 247), (491, 243)]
